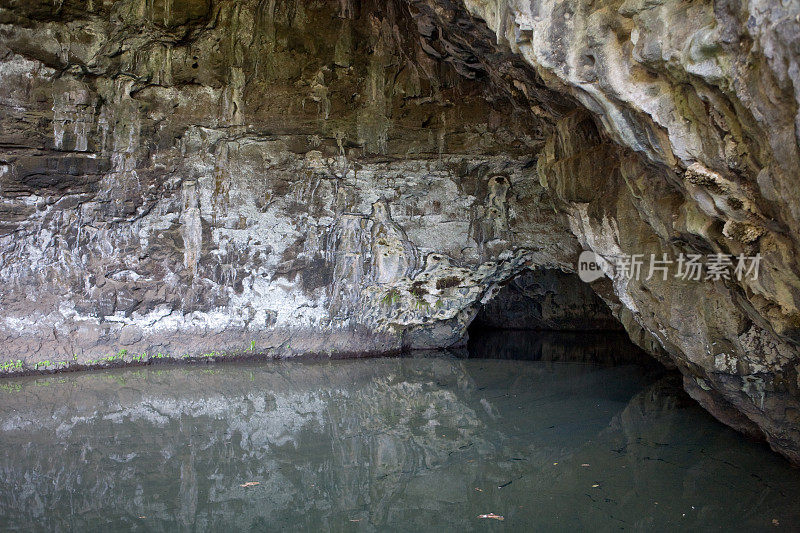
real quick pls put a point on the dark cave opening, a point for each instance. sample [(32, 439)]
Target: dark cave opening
[(549, 300), (550, 315)]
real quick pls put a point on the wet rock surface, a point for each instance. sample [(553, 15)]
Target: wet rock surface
[(217, 177)]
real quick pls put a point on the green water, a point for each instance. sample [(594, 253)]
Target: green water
[(401, 444)]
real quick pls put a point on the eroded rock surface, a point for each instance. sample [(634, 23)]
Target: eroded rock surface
[(206, 176), (195, 177), (701, 101)]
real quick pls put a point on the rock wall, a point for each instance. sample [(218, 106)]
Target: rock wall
[(197, 178), (689, 144), (187, 179)]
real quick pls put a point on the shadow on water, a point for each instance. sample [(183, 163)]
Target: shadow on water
[(418, 443), (605, 348)]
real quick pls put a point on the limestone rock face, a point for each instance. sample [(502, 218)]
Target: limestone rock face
[(199, 177), (688, 144)]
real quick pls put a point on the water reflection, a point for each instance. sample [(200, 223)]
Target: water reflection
[(418, 443), (606, 348)]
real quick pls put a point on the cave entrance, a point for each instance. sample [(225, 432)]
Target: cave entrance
[(550, 315)]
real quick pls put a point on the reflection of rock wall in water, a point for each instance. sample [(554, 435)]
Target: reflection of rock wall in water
[(607, 348), (388, 442), (370, 429)]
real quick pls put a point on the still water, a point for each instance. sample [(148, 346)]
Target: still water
[(550, 433)]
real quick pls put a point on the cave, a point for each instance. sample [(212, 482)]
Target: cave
[(440, 199), (548, 300), (550, 315)]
